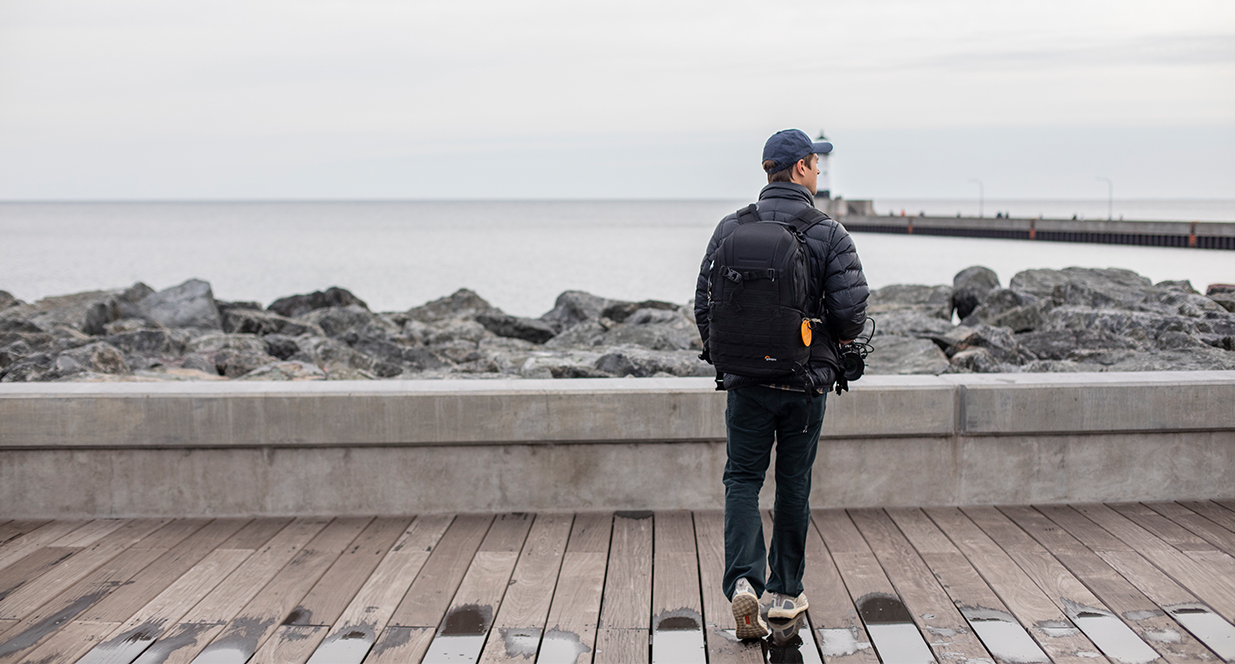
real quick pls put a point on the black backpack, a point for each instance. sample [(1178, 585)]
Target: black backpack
[(758, 292)]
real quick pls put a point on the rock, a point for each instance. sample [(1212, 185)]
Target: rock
[(1179, 284), (997, 302), (977, 360), (933, 300), (286, 371), (146, 342), (505, 325), (339, 322), (299, 305), (393, 357), (98, 357), (1226, 300), (970, 286), (618, 312), (1109, 285), (234, 363), (130, 325), (455, 329), (910, 323), (1220, 288), (1003, 347), (655, 337), (1064, 344), (217, 341), (86, 312), (225, 307), (1023, 318), (14, 352), (281, 346), (1193, 359), (335, 357), (574, 307), (640, 362), (250, 321), (1059, 366), (190, 304), (200, 363), (583, 334), (7, 300), (905, 355), (463, 303), (567, 364)]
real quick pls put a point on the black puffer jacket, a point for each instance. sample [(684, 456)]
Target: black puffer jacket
[(835, 267)]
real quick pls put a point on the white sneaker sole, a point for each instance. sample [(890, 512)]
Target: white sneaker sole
[(746, 614), (777, 613)]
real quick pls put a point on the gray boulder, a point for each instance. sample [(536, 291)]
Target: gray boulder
[(353, 319), (574, 307), (505, 325), (641, 362), (1088, 286), (970, 286), (583, 334), (95, 358), (998, 341), (910, 323), (1024, 318), (1068, 344), (190, 304), (7, 300), (289, 371), (977, 360), (463, 303), (86, 312), (999, 301), (249, 321), (562, 364), (619, 311), (933, 300), (894, 355), (295, 306)]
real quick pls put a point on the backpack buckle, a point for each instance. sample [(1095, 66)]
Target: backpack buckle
[(733, 275)]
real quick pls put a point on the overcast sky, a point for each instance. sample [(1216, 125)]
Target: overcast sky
[(221, 99)]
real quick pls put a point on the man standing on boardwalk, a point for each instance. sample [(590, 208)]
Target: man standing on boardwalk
[(788, 407)]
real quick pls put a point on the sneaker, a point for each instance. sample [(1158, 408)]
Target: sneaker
[(746, 612), (785, 607)]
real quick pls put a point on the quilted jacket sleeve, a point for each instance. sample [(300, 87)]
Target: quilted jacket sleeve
[(845, 290), (701, 285)]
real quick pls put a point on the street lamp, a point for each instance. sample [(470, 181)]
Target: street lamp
[(981, 194), (1110, 197)]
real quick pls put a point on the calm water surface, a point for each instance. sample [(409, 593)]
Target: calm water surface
[(518, 255)]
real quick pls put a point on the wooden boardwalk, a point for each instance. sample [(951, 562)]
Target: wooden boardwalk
[(1082, 583)]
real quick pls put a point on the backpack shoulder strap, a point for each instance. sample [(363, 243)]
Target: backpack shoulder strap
[(748, 214), (807, 218)]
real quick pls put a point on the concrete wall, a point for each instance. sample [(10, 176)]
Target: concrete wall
[(127, 449)]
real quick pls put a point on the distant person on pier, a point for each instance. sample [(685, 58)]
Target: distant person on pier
[(770, 398)]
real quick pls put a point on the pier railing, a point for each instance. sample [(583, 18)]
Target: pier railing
[(1194, 234)]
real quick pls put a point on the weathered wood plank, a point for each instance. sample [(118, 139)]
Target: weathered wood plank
[(1168, 531), (11, 530), (255, 533), (1003, 633), (1221, 538), (1159, 630), (947, 632), (126, 642), (400, 645), (88, 534), (26, 600), (570, 637), (520, 621), (1215, 589), (1093, 536), (291, 644), (463, 631), (31, 567), (842, 637), (143, 586), (1119, 640), (429, 597), (719, 633), (26, 543), (332, 593), (888, 622), (1044, 620), (1214, 512), (239, 639), (370, 611), (621, 646), (677, 610), (70, 643), (628, 584)]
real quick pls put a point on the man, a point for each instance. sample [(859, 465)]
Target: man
[(788, 408)]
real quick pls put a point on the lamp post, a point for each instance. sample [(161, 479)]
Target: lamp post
[(1110, 197), (981, 194)]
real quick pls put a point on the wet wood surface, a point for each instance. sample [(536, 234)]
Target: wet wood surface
[(598, 587)]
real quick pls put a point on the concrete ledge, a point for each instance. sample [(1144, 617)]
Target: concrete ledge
[(185, 449)]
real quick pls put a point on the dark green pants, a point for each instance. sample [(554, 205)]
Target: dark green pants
[(757, 416)]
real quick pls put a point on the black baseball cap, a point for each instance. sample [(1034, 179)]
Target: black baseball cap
[(788, 146)]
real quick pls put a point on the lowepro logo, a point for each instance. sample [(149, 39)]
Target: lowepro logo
[(768, 358)]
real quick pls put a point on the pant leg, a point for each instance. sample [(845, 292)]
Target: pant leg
[(751, 428), (797, 434)]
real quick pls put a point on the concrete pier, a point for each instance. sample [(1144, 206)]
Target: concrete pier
[(1194, 234), (385, 447)]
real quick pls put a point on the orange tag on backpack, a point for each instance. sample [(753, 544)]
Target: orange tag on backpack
[(806, 331)]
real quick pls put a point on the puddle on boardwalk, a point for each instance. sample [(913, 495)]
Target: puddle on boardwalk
[(521, 642), (1006, 640), (462, 635), (892, 631), (125, 647), (560, 647), (840, 641), (46, 626), (1114, 638), (1208, 627), (348, 647), (677, 638), (236, 645), (298, 616), (791, 641)]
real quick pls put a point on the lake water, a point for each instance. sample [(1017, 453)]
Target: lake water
[(518, 255)]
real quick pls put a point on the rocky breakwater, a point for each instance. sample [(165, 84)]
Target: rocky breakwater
[(1075, 319), (184, 333), (1044, 320)]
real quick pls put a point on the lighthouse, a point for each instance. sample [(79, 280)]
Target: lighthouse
[(824, 190)]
